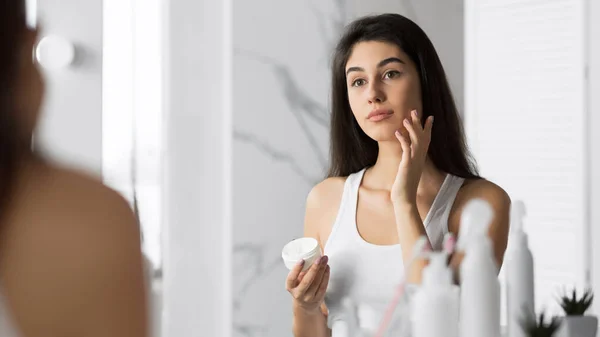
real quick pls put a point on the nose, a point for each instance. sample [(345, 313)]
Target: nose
[(374, 93)]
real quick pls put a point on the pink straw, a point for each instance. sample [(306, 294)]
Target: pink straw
[(448, 247)]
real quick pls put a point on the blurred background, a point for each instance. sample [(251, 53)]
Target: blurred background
[(212, 116)]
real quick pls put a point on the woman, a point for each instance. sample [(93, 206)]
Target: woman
[(400, 169), (70, 259)]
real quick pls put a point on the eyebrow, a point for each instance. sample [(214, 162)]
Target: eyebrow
[(379, 65)]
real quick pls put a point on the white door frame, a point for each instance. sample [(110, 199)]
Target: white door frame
[(198, 156), (593, 101)]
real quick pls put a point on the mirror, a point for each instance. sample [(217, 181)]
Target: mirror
[(215, 126)]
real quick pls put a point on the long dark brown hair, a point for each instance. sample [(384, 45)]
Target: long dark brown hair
[(351, 149), (12, 28)]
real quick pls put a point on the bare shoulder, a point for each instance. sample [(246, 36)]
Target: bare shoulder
[(483, 189), (83, 189), (322, 206), (82, 204), (59, 201), (72, 246), (326, 192)]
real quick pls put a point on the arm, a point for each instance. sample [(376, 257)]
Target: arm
[(321, 210), (499, 227), (409, 223), (74, 267), (404, 191), (310, 323)]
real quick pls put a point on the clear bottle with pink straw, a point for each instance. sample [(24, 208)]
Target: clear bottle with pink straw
[(396, 321)]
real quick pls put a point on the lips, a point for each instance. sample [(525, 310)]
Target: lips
[(379, 114)]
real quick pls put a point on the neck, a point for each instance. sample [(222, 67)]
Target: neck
[(383, 173)]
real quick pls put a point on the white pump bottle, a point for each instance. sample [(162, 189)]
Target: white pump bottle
[(479, 286), (435, 304), (519, 274)]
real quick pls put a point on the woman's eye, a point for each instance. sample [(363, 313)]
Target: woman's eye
[(391, 74), (358, 82)]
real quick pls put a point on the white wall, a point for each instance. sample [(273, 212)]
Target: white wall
[(281, 84), (527, 122), (71, 125), (443, 21)]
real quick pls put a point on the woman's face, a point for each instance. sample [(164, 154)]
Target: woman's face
[(28, 85), (383, 88)]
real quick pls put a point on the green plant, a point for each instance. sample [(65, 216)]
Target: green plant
[(540, 327), (576, 306)]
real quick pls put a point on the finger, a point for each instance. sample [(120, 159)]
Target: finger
[(416, 120), (323, 286), (427, 133), (301, 276), (308, 279), (428, 125), (314, 287), (291, 281), (405, 146), (413, 133)]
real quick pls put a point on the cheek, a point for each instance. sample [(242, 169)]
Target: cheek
[(356, 103), (414, 94), (405, 97)]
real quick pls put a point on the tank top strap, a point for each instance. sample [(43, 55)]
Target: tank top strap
[(355, 180), (436, 221), (347, 209), (450, 193)]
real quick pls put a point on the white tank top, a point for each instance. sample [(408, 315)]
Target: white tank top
[(366, 273)]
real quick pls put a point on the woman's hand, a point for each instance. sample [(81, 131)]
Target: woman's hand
[(414, 153), (308, 288)]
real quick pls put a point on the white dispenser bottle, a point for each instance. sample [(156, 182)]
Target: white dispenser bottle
[(435, 304), (519, 274), (347, 324), (479, 286)]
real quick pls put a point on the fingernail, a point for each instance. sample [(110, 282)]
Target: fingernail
[(414, 112), (398, 133), (318, 261), (325, 259), (299, 263), (431, 119), (406, 121)]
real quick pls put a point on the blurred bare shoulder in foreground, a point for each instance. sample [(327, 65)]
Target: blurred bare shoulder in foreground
[(70, 257)]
